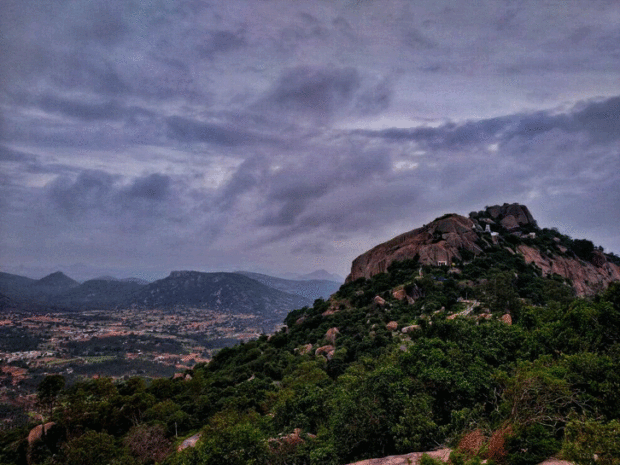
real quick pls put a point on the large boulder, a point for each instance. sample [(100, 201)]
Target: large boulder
[(437, 243)]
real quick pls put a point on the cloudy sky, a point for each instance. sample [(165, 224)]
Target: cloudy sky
[(139, 137)]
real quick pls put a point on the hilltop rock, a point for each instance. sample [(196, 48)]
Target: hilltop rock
[(512, 215), (443, 241), (437, 243)]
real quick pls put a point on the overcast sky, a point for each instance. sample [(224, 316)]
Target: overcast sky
[(140, 137)]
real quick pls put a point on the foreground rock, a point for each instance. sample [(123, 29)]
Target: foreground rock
[(407, 459)]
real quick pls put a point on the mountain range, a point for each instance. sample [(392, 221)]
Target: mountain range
[(241, 292)]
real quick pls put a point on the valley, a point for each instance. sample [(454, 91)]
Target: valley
[(118, 343)]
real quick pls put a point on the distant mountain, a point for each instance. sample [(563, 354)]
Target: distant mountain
[(228, 292), (57, 280), (123, 280), (21, 288), (98, 293), (322, 275), (310, 289), (134, 280), (105, 278), (13, 285), (6, 302)]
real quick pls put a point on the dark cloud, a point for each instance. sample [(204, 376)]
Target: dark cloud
[(186, 130), (9, 155), (155, 187), (221, 42), (375, 100), (600, 120), (78, 109), (316, 92), (106, 26), (92, 190), (99, 194)]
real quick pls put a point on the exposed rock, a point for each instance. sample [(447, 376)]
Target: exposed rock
[(587, 278), (379, 300), (506, 318), (407, 459), (443, 240), (331, 334), (510, 223), (399, 293), (392, 326), (410, 329), (292, 439), (438, 242), (520, 214), (189, 442), (303, 350), (327, 350), (39, 431)]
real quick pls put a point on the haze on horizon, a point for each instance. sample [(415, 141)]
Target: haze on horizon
[(139, 137)]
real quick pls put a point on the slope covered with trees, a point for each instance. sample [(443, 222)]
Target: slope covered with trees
[(488, 357)]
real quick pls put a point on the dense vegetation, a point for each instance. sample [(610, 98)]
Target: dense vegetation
[(547, 384)]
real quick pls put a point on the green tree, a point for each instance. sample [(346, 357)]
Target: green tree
[(48, 390)]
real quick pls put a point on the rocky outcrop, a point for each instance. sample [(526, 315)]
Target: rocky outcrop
[(587, 278), (437, 243), (38, 432), (327, 351), (331, 335), (443, 241), (511, 215), (407, 459)]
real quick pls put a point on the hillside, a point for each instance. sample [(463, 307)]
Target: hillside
[(311, 289), (230, 292), (491, 357)]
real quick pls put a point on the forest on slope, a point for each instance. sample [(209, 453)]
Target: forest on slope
[(494, 360)]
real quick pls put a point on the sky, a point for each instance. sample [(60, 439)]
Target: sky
[(282, 136)]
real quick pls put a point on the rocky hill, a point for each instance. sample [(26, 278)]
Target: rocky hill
[(454, 239)]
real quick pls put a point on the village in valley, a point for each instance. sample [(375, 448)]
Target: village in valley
[(116, 343)]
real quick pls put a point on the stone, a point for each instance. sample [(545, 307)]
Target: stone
[(39, 431), (379, 301), (303, 350), (399, 293), (586, 277), (327, 351), (392, 326), (506, 318), (410, 329), (455, 232), (331, 334)]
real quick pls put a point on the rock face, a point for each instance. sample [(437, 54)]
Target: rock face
[(587, 278), (511, 215), (443, 240), (436, 243)]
